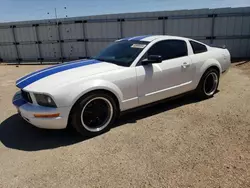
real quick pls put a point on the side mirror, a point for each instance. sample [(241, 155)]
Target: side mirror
[(152, 59)]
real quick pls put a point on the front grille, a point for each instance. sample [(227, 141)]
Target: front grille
[(26, 96)]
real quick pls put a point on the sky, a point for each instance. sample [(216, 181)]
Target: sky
[(20, 10)]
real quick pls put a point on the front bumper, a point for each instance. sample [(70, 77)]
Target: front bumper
[(27, 111)]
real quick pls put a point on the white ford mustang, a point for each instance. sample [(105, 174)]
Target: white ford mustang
[(89, 94)]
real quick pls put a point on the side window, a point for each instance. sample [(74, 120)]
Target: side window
[(197, 47), (169, 49)]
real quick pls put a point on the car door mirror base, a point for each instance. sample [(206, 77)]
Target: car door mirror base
[(152, 59)]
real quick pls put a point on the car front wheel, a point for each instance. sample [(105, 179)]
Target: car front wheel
[(94, 114)]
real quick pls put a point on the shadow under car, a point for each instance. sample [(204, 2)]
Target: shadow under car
[(18, 134)]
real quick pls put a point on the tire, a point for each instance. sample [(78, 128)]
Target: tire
[(208, 84), (94, 114)]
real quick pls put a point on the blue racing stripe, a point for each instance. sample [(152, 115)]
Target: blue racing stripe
[(141, 37), (136, 38), (49, 72), (33, 73), (19, 102), (126, 38)]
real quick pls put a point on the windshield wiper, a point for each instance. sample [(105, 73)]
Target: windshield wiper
[(100, 59), (106, 60)]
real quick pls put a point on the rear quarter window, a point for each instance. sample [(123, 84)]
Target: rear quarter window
[(197, 47)]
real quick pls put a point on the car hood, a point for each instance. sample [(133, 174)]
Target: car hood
[(52, 77)]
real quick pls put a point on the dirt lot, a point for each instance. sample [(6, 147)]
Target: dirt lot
[(182, 143)]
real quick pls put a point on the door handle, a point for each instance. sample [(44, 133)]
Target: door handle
[(185, 65)]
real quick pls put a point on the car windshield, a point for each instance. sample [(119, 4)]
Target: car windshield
[(122, 53)]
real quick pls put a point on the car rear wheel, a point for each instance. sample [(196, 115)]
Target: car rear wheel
[(208, 84), (94, 114)]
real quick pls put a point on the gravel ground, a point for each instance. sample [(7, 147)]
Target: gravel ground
[(181, 143)]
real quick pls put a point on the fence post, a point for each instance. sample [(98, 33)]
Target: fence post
[(38, 42), (212, 28), (59, 40), (163, 18), (121, 30), (163, 26), (121, 26), (84, 37), (15, 43)]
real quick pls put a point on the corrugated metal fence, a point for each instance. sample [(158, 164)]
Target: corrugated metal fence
[(81, 37)]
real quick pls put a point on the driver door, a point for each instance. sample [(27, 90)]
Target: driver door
[(168, 78)]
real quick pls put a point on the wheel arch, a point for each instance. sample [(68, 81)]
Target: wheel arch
[(212, 67), (210, 63), (107, 91), (97, 90)]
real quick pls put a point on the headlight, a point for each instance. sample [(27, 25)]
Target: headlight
[(44, 100)]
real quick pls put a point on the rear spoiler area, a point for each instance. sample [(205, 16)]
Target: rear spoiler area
[(218, 46)]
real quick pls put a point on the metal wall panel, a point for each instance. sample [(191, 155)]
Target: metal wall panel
[(73, 38), (205, 41), (73, 50), (134, 28), (237, 47), (6, 35), (28, 52), (232, 26), (50, 51), (24, 34), (71, 31), (245, 27), (102, 30), (8, 53), (95, 47), (48, 33), (189, 27)]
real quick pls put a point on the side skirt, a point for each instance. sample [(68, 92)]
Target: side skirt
[(155, 103)]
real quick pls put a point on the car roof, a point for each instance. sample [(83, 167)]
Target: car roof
[(150, 38)]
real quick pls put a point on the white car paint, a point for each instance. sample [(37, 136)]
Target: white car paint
[(133, 86)]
